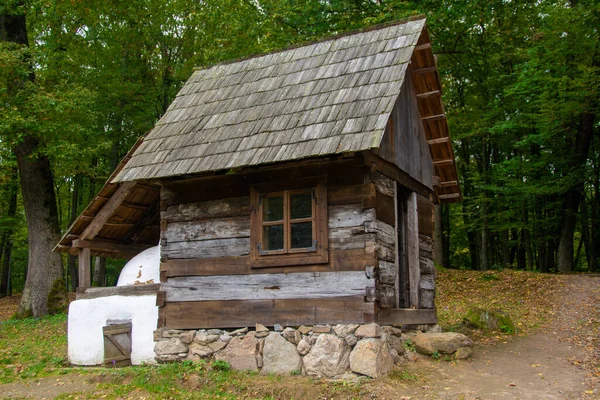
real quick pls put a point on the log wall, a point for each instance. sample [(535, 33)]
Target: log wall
[(207, 280)]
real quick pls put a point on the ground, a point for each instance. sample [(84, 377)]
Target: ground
[(554, 355)]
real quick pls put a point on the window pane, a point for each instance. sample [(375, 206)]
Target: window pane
[(272, 237), (302, 235), (301, 205), (273, 208)]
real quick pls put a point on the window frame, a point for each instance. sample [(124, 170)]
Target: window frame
[(288, 256)]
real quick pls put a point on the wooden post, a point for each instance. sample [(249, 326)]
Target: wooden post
[(412, 248), (85, 268)]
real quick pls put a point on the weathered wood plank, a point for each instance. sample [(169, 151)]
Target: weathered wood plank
[(226, 208), (293, 312), (412, 248), (208, 248), (221, 228), (350, 194), (349, 215), (267, 286), (85, 268), (384, 208), (425, 211), (343, 260), (350, 238), (405, 316), (129, 290), (102, 246), (107, 211)]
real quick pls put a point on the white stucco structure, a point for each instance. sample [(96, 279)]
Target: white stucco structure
[(143, 268), (88, 316)]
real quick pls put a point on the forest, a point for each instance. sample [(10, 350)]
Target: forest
[(81, 81)]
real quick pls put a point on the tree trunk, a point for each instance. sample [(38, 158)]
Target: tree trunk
[(573, 195), (37, 186), (72, 260), (99, 278), (44, 266), (7, 243)]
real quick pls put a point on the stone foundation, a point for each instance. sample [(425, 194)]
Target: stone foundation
[(322, 350)]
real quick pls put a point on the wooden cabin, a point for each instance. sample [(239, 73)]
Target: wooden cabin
[(291, 188)]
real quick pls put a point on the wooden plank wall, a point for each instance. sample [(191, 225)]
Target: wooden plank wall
[(427, 278), (205, 273), (384, 225), (404, 142)]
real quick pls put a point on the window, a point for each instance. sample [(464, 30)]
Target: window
[(289, 227)]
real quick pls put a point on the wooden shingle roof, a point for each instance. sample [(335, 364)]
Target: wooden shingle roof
[(329, 97)]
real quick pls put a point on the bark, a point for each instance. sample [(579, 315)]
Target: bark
[(37, 186), (72, 260), (574, 194), (99, 278), (44, 266), (7, 243), (506, 261)]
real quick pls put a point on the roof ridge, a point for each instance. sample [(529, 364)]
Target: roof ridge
[(352, 32)]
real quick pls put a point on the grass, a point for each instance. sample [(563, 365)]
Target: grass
[(526, 296), (31, 348), (36, 348)]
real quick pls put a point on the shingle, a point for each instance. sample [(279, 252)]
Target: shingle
[(327, 97)]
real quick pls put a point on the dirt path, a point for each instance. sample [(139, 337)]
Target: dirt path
[(558, 362)]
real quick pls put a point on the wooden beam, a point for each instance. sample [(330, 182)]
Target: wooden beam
[(434, 117), (145, 221), (425, 70), (405, 316), (129, 290), (107, 211), (427, 95), (449, 183), (124, 204), (102, 246), (391, 170), (85, 269), (424, 46), (446, 161), (439, 140), (449, 196)]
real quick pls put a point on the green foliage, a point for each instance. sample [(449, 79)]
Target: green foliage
[(58, 302), (409, 345), (403, 376), (435, 355), (220, 365)]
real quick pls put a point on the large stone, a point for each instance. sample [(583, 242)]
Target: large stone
[(208, 350), (444, 343), (292, 335), (305, 330), (344, 330), (239, 332), (489, 319), (368, 331), (304, 346), (397, 344), (241, 353), (392, 330), (204, 339), (329, 356), (170, 346), (187, 337), (280, 356), (322, 329), (371, 357), (463, 353)]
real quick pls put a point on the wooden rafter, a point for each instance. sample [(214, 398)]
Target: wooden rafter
[(102, 246), (442, 140), (107, 211)]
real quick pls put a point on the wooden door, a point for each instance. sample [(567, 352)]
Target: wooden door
[(117, 345)]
